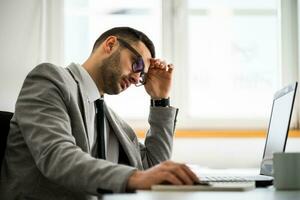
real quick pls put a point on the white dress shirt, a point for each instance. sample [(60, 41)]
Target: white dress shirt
[(111, 142)]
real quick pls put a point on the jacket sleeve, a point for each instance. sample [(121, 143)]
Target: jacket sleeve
[(159, 138), (42, 113)]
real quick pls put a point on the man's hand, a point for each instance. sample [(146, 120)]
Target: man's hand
[(159, 78), (166, 172)]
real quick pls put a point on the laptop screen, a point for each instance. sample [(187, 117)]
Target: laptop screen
[(278, 126)]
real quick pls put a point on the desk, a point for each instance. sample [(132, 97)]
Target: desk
[(269, 193)]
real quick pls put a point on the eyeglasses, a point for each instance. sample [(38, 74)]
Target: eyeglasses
[(138, 66)]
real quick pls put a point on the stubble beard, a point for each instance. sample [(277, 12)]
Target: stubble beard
[(111, 74)]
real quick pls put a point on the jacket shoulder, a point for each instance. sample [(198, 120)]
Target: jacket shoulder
[(49, 70), (57, 75), (47, 79)]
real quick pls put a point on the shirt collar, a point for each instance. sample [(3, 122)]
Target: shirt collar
[(88, 84)]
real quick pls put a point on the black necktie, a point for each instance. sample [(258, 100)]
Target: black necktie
[(100, 128)]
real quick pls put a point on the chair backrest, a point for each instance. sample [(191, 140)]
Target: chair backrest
[(5, 118)]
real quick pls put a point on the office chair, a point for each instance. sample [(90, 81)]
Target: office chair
[(5, 118)]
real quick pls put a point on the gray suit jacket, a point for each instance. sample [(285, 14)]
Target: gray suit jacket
[(48, 154)]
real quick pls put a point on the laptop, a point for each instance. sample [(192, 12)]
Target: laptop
[(278, 129)]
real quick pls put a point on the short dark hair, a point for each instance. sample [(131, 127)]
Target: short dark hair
[(129, 34)]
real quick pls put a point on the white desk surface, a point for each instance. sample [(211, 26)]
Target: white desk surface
[(269, 193)]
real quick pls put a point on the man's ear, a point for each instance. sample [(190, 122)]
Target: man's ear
[(110, 43)]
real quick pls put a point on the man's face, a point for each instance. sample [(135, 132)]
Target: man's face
[(116, 70)]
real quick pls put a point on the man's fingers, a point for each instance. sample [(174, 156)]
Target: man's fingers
[(191, 174), (172, 179), (161, 64), (157, 63), (166, 172), (180, 172), (170, 68)]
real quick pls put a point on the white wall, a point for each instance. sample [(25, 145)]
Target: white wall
[(27, 38), (19, 49)]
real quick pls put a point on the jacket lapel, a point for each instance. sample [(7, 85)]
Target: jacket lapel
[(84, 104), (129, 147)]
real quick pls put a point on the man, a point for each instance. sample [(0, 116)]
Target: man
[(65, 143)]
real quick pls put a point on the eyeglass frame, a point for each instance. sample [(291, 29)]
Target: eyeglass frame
[(139, 58)]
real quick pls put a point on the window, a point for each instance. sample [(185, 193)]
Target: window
[(233, 59), (86, 20), (227, 55)]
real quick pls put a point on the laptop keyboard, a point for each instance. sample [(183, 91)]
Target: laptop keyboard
[(226, 179)]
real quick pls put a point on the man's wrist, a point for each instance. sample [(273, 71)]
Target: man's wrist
[(164, 102), (132, 183)]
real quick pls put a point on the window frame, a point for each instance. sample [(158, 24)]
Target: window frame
[(175, 17)]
